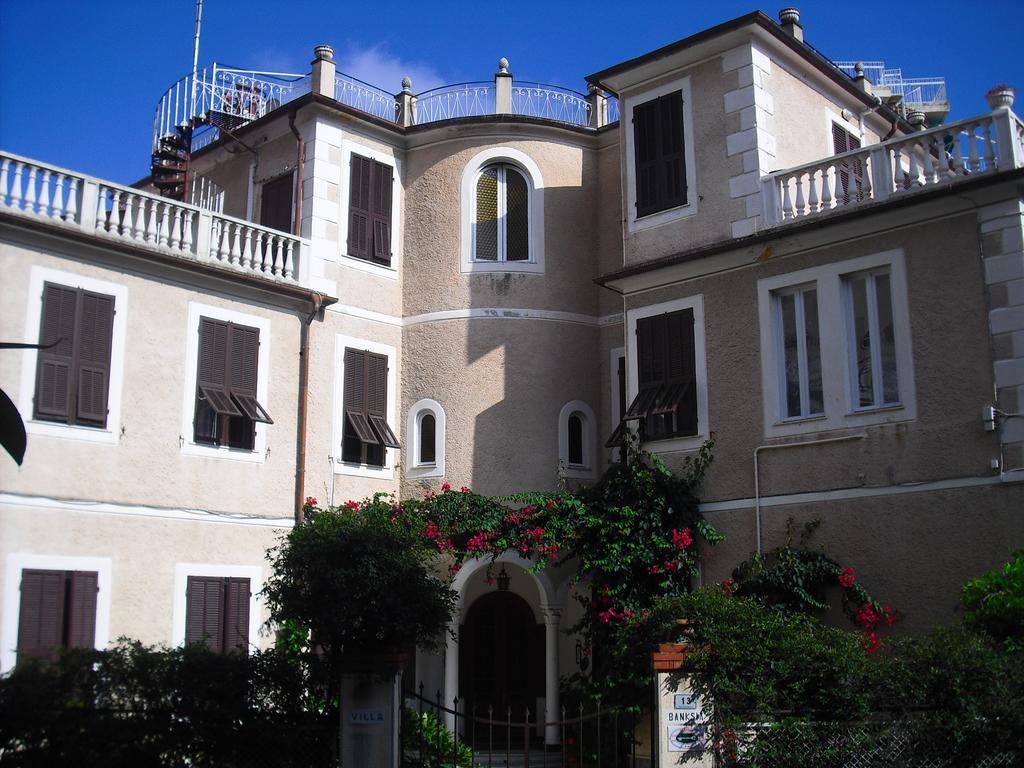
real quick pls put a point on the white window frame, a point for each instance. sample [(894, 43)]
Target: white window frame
[(796, 291), (348, 148), (841, 411), (467, 204), (415, 467), (589, 465), (18, 562), (111, 433), (696, 303), (189, 447), (254, 573), (387, 471), (631, 101)]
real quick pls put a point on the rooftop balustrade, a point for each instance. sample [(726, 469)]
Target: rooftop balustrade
[(948, 154), (219, 97), (111, 212)]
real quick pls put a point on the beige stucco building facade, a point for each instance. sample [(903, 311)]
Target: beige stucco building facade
[(476, 269)]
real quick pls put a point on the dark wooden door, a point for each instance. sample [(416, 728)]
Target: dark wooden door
[(501, 656)]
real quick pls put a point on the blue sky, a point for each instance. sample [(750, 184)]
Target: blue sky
[(79, 80)]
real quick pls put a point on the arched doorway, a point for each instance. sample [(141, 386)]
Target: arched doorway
[(501, 650)]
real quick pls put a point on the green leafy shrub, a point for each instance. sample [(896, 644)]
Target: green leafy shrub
[(427, 743), (134, 705), (995, 603)]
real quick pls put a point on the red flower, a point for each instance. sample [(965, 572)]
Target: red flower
[(549, 504), (889, 614), (454, 568), (311, 501), (682, 540), (654, 568), (446, 486), (728, 585), (847, 577), (870, 641), (867, 617), (463, 489), (353, 505)]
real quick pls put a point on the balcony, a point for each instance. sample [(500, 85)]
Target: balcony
[(223, 97), (112, 213), (947, 155)]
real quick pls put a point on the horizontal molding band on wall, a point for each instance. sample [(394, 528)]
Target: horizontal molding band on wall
[(847, 494), (141, 510), (496, 313)]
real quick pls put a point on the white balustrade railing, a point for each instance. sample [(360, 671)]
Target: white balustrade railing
[(942, 155), (451, 101), (551, 103), (130, 216), (363, 96)]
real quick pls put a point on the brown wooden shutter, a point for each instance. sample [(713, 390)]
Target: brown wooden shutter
[(212, 371), (55, 371), (359, 206), (204, 612), (81, 629), (236, 615), (41, 613), (95, 332), (650, 342), (673, 171), (244, 351), (276, 203), (377, 398), (355, 398), (680, 395), (381, 188), (646, 141)]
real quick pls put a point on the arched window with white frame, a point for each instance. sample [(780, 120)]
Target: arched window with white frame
[(577, 454), (425, 424), (502, 212)]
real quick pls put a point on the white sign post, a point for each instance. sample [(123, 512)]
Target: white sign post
[(682, 724)]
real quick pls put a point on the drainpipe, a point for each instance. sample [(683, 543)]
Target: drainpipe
[(300, 163), (757, 489), (300, 449)]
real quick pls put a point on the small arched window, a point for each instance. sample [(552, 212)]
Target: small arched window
[(427, 445), (577, 454), (426, 425), (501, 223)]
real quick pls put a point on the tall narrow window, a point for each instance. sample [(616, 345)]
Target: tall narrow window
[(367, 432), (660, 162), (575, 436), (872, 339), (276, 203), (796, 321), (73, 373), (369, 224), (217, 613), (501, 225), (427, 439), (666, 404), (57, 610), (226, 406)]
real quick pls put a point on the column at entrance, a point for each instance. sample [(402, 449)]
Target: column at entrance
[(552, 706), (451, 667)]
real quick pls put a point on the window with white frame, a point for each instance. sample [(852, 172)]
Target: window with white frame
[(799, 350), (425, 430), (576, 440), (73, 388), (660, 169), (364, 406), (369, 220), (502, 210), (227, 381), (835, 346)]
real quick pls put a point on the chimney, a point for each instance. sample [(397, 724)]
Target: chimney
[(789, 20), (323, 71)]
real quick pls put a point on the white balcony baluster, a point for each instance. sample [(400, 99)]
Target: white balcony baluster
[(71, 213), (288, 260), (986, 136), (165, 224), (30, 191)]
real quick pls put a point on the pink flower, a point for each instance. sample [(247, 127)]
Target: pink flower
[(353, 505), (463, 489), (889, 614), (311, 501), (728, 585), (454, 568), (870, 641), (867, 617), (446, 486), (654, 568), (847, 577)]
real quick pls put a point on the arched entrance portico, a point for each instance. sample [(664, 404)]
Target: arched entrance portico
[(488, 624), (501, 660)]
